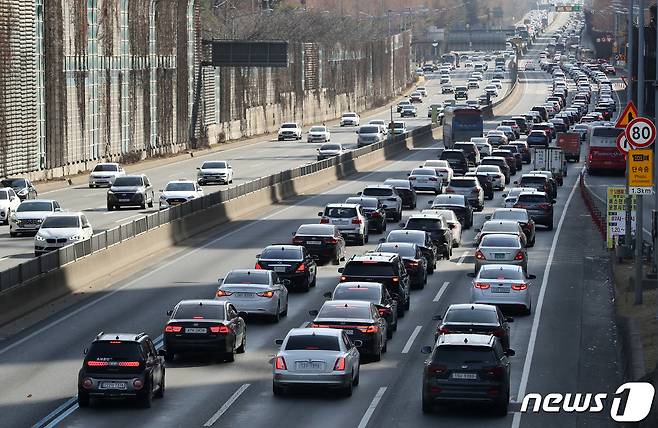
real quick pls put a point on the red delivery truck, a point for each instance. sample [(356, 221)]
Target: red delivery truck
[(569, 142)]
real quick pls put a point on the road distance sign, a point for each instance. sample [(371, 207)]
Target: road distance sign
[(640, 132), (622, 144)]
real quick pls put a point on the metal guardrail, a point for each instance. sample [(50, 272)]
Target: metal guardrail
[(37, 266), (594, 205)]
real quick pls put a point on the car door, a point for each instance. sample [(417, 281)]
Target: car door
[(152, 362)]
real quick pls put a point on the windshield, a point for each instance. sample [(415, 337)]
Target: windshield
[(377, 191), (312, 342), (533, 199), (338, 212), (464, 355), (213, 165), (282, 253), (452, 155), (369, 269), (61, 222), (128, 182), (250, 277), (501, 273), (289, 125), (316, 230), (317, 129), (105, 167), (398, 125), (345, 311), (180, 187), (352, 292), (499, 227), (198, 311), (488, 168), (449, 200), (532, 180), (16, 183), (398, 183), (401, 236), (469, 315), (34, 206), (369, 130), (114, 351), (403, 250), (504, 241)]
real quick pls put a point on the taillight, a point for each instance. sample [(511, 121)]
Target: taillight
[(436, 369), (479, 255), (369, 329), (340, 364), (395, 279), (98, 363), (449, 190), (324, 220), (138, 384), (382, 311), (280, 364), (301, 268), (356, 221), (444, 330), (482, 285), (519, 256), (544, 206), (375, 214), (499, 332), (258, 266), (297, 240), (476, 190), (330, 241), (343, 278), (519, 287), (222, 293), (173, 329), (221, 329), (268, 294), (128, 364), (413, 264)]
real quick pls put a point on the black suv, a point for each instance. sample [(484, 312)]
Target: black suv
[(471, 151), (539, 206), (291, 262), (130, 191), (468, 368), (385, 268), (374, 211), (121, 365), (439, 231), (456, 159)]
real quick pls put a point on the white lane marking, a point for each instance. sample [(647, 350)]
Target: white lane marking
[(527, 364), (129, 218), (187, 253), (441, 291), (64, 415), (461, 259), (55, 412), (371, 409), (226, 405), (413, 336)]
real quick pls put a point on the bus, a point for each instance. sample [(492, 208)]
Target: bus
[(461, 123), (603, 154), (450, 59)]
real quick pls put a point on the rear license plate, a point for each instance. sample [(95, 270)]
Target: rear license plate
[(469, 376), (313, 242), (124, 200), (114, 385), (499, 256), (244, 295), (500, 290), (279, 268), (194, 330), (312, 365)]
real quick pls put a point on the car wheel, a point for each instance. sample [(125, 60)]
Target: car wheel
[(361, 240), (428, 407), (161, 387), (367, 238), (83, 399), (143, 206), (385, 347), (424, 280), (550, 225), (314, 282), (230, 356), (407, 303), (13, 234), (389, 332), (400, 310), (377, 356), (110, 207), (243, 346), (347, 391), (151, 203), (358, 375), (336, 259), (502, 406), (169, 356), (532, 243), (146, 399), (278, 390), (431, 267)]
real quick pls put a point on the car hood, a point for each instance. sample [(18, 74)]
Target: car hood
[(32, 214), (104, 173), (126, 188), (177, 194), (60, 232), (214, 170)]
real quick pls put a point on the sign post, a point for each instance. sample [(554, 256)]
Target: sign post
[(618, 223), (640, 177)]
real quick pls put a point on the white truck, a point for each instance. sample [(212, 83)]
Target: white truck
[(551, 159)]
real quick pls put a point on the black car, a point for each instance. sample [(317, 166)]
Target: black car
[(471, 151), (120, 365), (539, 182), (384, 268), (467, 368), (404, 189), (360, 319), (413, 258), (486, 182), (522, 147), (22, 186), (322, 241), (373, 292), (501, 163), (439, 231), (130, 191), (457, 160), (457, 203), (374, 211), (509, 158), (421, 239), (207, 326), (539, 206), (516, 152), (474, 318), (291, 262)]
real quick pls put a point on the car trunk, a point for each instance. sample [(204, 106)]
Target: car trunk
[(281, 266)]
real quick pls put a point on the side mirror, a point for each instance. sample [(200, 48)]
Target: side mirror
[(487, 217), (278, 342), (437, 317), (327, 295), (242, 314), (429, 202), (258, 256), (509, 319), (198, 168), (504, 195), (230, 167), (358, 343), (359, 193), (286, 282), (161, 352), (553, 201), (510, 352), (320, 214), (401, 224), (85, 351), (340, 270), (532, 276), (169, 312), (426, 350), (313, 313)]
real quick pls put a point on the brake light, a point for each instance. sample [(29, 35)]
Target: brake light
[(493, 372), (444, 330), (413, 264), (544, 206), (97, 363), (258, 266), (369, 329), (301, 268), (499, 332), (449, 190), (297, 240), (340, 364), (87, 383), (343, 278), (222, 293), (324, 220), (383, 311), (268, 294), (330, 241), (314, 325), (221, 329), (519, 287), (114, 342), (356, 221), (479, 255), (482, 285), (280, 364), (375, 214), (173, 329), (395, 279), (519, 256), (128, 363), (436, 369), (476, 190)]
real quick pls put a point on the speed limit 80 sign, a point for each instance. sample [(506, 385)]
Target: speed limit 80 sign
[(640, 132)]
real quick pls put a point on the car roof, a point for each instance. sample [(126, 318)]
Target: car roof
[(473, 306), (407, 232), (430, 216), (182, 180), (374, 257), (398, 244), (344, 205), (533, 175), (202, 302), (334, 332), (360, 284), (533, 193), (284, 246), (123, 337), (33, 200), (459, 339), (363, 198)]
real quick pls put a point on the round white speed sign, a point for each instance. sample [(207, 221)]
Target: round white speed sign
[(640, 132)]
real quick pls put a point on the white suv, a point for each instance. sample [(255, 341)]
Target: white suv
[(349, 219), (290, 131), (104, 174), (61, 229), (179, 191), (350, 119)]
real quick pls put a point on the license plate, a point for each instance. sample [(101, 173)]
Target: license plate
[(313, 242), (172, 203), (469, 376), (124, 200), (279, 268), (312, 365), (194, 330), (349, 332), (499, 256), (244, 294), (500, 290), (114, 385)]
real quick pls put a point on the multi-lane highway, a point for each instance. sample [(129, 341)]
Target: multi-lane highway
[(564, 346)]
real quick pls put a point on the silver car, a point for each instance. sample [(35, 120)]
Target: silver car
[(513, 194), (369, 134), (104, 174), (330, 150), (426, 179), (316, 357), (470, 188), (506, 227), (350, 219), (501, 248), (255, 291), (502, 285)]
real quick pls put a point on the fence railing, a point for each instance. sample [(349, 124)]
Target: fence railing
[(54, 260), (595, 206)]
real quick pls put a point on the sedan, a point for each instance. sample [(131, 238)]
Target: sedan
[(316, 357), (522, 217), (258, 292), (322, 241), (443, 169), (330, 150), (9, 202), (215, 172), (501, 248), (292, 262), (474, 318), (470, 188), (210, 326), (61, 229), (318, 134), (513, 195), (426, 179), (504, 227), (502, 285)]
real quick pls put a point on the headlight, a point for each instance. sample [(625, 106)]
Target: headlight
[(13, 217), (39, 238), (109, 192)]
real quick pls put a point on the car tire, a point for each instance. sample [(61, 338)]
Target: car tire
[(150, 204), (278, 390), (348, 390), (377, 356), (431, 267), (361, 240), (358, 376), (169, 356), (385, 347), (229, 357), (502, 407), (549, 226), (407, 304), (424, 280), (428, 407), (146, 399), (110, 207), (84, 400), (335, 260), (13, 234), (277, 314), (532, 243), (243, 346), (161, 387), (314, 282), (400, 310), (389, 332)]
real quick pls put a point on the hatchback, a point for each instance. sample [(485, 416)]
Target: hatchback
[(322, 241)]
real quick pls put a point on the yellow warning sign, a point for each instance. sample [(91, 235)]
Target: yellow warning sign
[(640, 164), (630, 113)]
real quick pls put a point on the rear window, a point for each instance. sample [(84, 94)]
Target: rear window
[(191, 311), (498, 227), (463, 183), (536, 199), (502, 273), (255, 277), (452, 155), (423, 171), (213, 165), (377, 191), (115, 350), (369, 294), (398, 184), (345, 311), (532, 180), (403, 250), (401, 236), (500, 241), (465, 147), (279, 253), (423, 224), (312, 342), (471, 315), (368, 203), (464, 355), (369, 269), (315, 230), (339, 212), (510, 215)]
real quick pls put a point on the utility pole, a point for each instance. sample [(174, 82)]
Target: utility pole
[(640, 107), (628, 235), (654, 221)]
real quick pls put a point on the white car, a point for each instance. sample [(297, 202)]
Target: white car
[(426, 179), (492, 90), (443, 169), (318, 134), (29, 215), (497, 83), (495, 173), (350, 220), (330, 150), (214, 171), (530, 65), (399, 127), (290, 131), (9, 202), (61, 229), (179, 191), (483, 146), (381, 123), (422, 90), (350, 119), (104, 174)]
